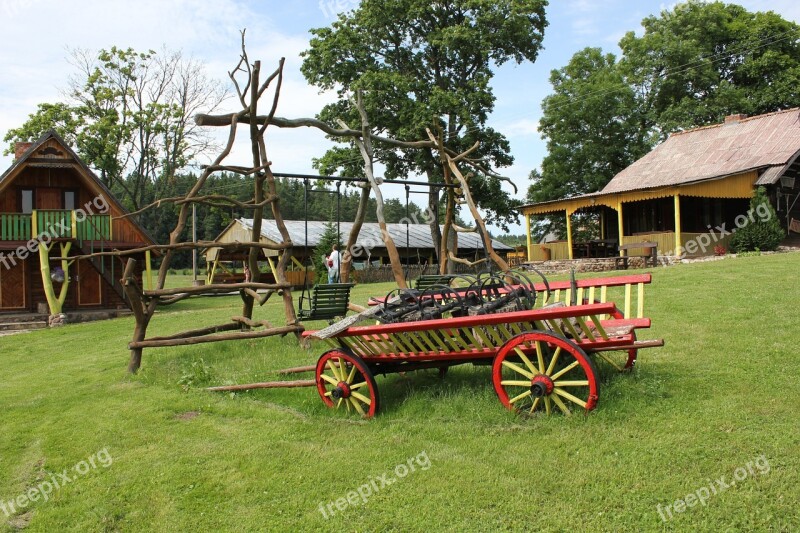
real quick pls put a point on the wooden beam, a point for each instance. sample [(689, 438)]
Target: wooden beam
[(269, 385), (152, 343)]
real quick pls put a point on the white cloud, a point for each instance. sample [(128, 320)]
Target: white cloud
[(520, 128)]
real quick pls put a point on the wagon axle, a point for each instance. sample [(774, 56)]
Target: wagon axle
[(541, 386), (341, 391)]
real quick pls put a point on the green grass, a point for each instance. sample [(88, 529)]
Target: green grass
[(721, 393)]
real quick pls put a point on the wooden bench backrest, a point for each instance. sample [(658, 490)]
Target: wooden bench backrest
[(427, 281), (329, 301)]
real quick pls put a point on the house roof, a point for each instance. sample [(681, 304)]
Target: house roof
[(419, 235), (85, 171), (737, 146)]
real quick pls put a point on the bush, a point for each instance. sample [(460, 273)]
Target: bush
[(765, 233)]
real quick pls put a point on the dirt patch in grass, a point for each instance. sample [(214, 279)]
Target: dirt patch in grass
[(188, 415)]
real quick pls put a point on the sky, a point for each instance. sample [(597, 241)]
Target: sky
[(38, 35)]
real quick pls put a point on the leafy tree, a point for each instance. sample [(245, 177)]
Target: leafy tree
[(425, 64), (693, 65), (590, 125), (763, 231), (129, 114)]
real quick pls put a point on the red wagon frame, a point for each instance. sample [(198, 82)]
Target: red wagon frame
[(540, 358)]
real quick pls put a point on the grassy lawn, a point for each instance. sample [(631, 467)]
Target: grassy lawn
[(719, 401)]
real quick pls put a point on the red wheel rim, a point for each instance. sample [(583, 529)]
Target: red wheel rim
[(345, 382), (539, 371)]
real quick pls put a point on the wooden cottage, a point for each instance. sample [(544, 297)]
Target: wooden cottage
[(53, 207), (689, 190)]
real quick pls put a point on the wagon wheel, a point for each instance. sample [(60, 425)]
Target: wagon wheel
[(622, 361), (345, 382), (539, 371)]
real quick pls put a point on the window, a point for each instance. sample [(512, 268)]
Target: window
[(27, 201), (69, 200)]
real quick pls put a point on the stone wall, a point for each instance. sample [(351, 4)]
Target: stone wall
[(600, 264)]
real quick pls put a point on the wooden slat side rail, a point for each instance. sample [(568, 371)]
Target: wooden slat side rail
[(561, 291), (529, 316)]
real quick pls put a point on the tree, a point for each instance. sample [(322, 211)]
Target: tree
[(423, 64), (694, 64), (590, 125), (129, 114)]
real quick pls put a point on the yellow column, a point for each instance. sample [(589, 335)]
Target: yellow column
[(621, 226), (677, 225), (74, 224), (569, 233), (148, 265), (528, 234)]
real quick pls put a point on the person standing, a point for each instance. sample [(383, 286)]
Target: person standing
[(333, 265)]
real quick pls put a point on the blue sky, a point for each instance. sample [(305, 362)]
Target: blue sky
[(38, 33)]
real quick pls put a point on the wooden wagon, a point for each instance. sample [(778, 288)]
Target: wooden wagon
[(541, 358)]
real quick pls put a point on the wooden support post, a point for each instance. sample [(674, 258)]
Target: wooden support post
[(678, 225), (621, 227), (569, 234), (149, 267), (528, 235)]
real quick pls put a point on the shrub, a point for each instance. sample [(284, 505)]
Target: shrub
[(764, 233)]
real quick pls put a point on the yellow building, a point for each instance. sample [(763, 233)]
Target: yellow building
[(689, 193)]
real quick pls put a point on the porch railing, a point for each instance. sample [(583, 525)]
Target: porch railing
[(56, 223), (15, 227)]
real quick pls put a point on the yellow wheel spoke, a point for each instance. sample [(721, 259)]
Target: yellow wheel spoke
[(513, 383), (350, 377), (536, 403), (347, 403), (540, 356), (342, 368), (329, 379), (329, 394), (357, 406), (339, 403), (582, 383), (520, 397), (547, 404), (526, 360), (358, 385), (560, 405), (553, 361), (565, 370), (570, 397), (334, 370), (361, 397), (517, 368)]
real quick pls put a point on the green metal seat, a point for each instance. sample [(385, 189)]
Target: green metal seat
[(326, 302)]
